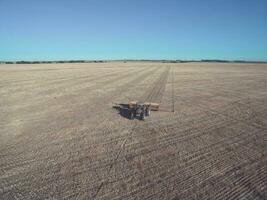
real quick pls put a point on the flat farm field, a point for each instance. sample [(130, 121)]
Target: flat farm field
[(65, 132)]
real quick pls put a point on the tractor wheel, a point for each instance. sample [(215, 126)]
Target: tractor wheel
[(148, 111), (142, 116), (131, 115)]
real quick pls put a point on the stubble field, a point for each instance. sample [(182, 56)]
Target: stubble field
[(63, 134)]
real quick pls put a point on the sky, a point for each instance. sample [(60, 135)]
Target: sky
[(133, 29)]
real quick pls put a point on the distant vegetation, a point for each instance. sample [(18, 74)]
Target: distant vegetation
[(104, 61), (51, 62)]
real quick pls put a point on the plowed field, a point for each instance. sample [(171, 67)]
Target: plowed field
[(62, 138)]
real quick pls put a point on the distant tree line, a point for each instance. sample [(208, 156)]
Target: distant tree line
[(50, 62), (103, 61)]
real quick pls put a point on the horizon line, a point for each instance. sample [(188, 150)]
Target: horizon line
[(110, 60)]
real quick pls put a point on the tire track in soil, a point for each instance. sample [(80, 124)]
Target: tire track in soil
[(70, 83), (73, 83), (234, 120), (162, 129), (106, 100), (113, 163), (201, 154), (244, 185), (130, 83), (226, 184), (139, 78), (239, 120), (115, 140), (118, 140), (155, 94), (223, 140), (124, 144), (171, 175)]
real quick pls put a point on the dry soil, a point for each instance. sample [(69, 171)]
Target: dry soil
[(63, 134)]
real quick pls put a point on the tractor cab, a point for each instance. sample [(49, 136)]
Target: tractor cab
[(141, 110)]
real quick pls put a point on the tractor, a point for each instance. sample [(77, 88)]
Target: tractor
[(141, 110)]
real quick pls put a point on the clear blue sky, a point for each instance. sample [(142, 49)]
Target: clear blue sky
[(133, 29)]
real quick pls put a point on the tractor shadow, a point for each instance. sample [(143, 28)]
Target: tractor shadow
[(123, 110)]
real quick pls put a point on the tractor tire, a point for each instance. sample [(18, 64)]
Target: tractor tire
[(148, 112), (142, 116), (131, 115)]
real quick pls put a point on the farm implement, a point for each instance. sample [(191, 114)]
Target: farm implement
[(140, 110)]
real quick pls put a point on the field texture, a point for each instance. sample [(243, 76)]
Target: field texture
[(63, 134)]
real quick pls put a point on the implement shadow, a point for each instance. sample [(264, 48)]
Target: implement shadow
[(124, 110)]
